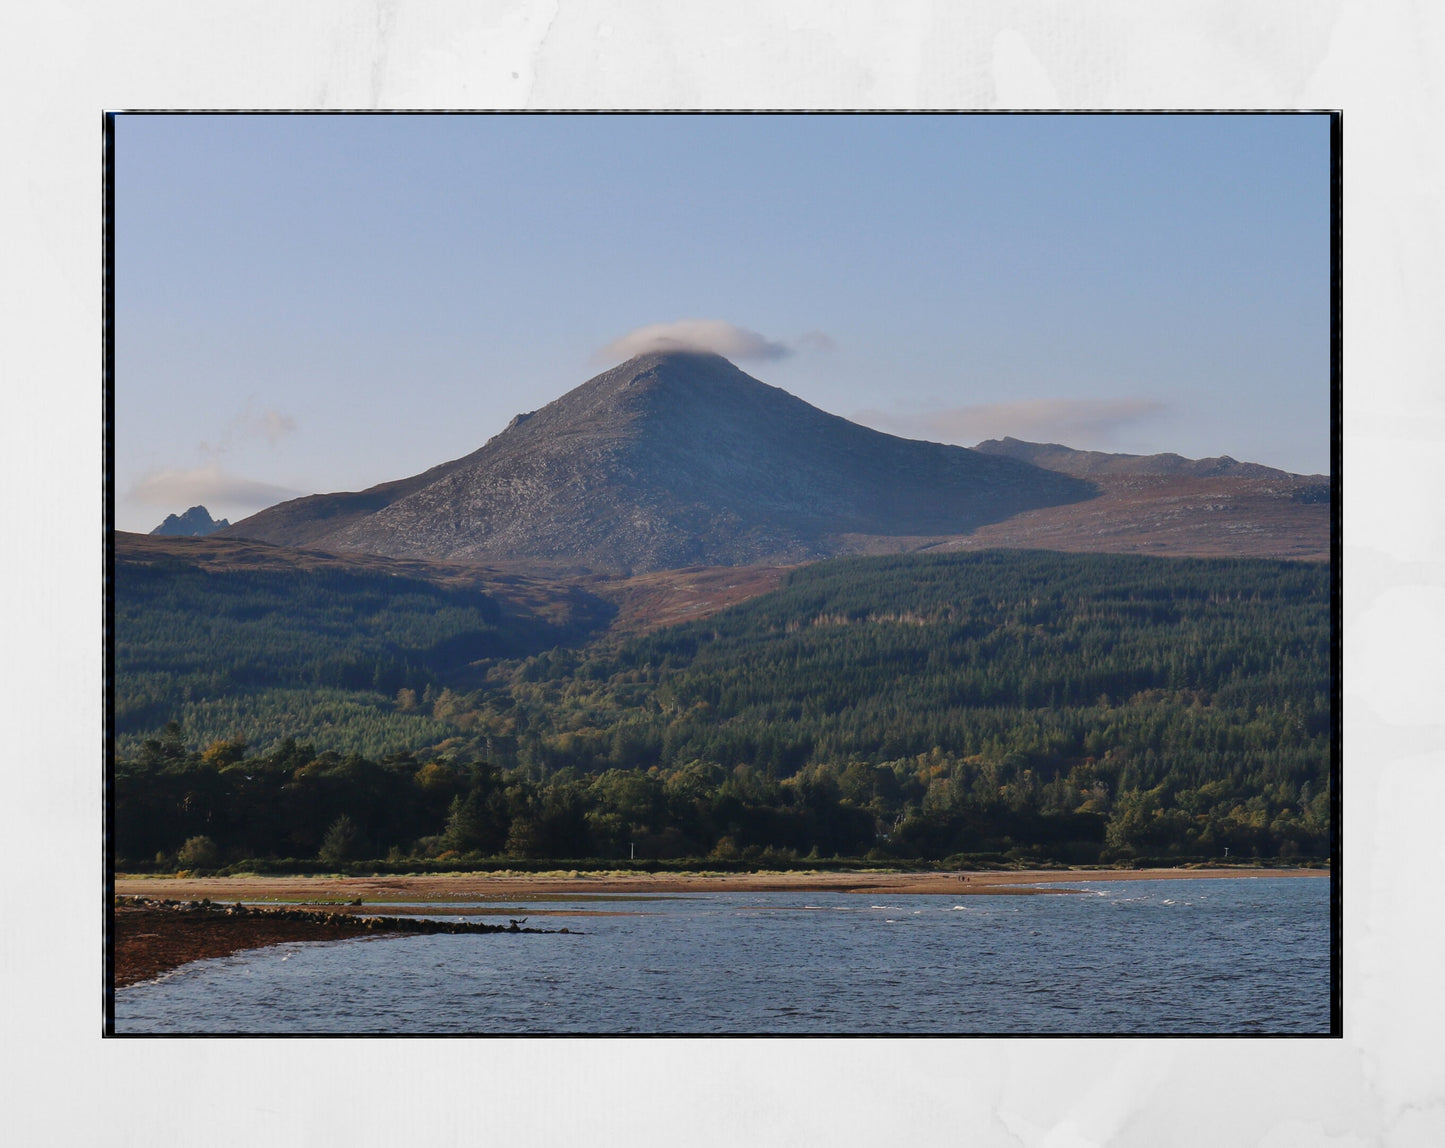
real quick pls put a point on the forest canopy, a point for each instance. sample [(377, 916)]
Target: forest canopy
[(1003, 703)]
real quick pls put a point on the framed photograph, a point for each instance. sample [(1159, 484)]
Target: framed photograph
[(723, 574)]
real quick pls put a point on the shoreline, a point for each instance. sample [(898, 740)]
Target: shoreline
[(159, 924), (152, 937), (446, 887)]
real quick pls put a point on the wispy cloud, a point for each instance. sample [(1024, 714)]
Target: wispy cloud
[(1086, 423), (715, 335), (252, 424), (816, 341), (207, 486), (275, 425)]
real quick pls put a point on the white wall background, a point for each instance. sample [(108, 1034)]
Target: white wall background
[(64, 63)]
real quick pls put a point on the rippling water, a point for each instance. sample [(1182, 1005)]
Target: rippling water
[(1196, 956)]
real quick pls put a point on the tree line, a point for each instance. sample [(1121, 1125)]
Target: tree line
[(180, 808)]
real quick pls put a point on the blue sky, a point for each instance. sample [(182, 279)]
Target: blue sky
[(318, 303)]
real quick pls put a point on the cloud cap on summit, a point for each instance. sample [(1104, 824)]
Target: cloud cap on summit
[(715, 335)]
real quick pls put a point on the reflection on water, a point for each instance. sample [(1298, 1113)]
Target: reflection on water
[(1199, 956)]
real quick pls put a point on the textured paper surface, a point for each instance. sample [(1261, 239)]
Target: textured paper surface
[(1384, 1083)]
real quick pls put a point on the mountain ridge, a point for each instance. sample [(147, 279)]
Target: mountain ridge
[(1088, 463)]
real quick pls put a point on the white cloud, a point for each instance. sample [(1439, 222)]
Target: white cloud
[(715, 335), (1079, 423), (209, 486)]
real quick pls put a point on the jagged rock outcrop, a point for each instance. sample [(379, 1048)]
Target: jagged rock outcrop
[(194, 523)]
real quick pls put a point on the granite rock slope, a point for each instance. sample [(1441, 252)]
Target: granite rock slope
[(672, 460)]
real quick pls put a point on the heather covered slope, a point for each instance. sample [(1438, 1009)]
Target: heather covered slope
[(1169, 506), (1177, 516), (672, 460)]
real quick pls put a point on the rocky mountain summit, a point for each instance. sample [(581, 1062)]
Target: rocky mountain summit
[(194, 523), (672, 460)]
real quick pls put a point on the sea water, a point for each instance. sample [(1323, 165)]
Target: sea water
[(1239, 955)]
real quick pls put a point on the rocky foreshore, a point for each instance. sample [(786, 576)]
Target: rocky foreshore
[(152, 936)]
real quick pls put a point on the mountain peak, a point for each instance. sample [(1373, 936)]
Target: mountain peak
[(672, 365), (673, 458), (667, 365)]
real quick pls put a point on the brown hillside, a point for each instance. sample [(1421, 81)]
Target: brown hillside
[(1176, 516)]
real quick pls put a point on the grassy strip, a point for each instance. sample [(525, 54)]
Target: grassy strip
[(975, 862)]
